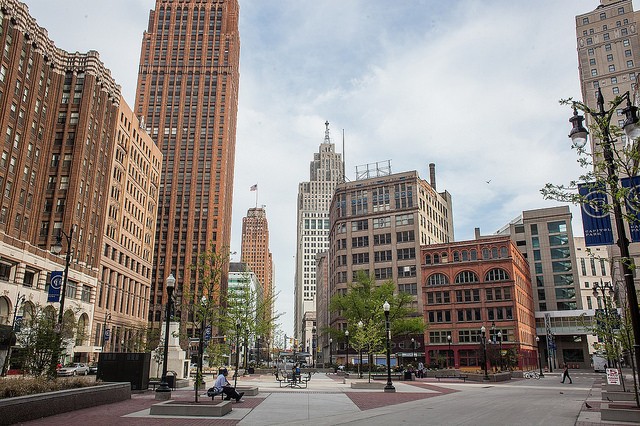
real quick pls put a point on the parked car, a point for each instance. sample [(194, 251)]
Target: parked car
[(75, 369), (93, 369)]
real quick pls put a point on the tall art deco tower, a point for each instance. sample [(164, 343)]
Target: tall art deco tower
[(187, 96), (314, 199)]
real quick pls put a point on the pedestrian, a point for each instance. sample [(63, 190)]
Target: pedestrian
[(420, 369), (565, 374), (229, 391)]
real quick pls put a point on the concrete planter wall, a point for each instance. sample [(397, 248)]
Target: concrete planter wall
[(497, 377), (31, 407)]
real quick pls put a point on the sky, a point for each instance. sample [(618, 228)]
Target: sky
[(472, 86)]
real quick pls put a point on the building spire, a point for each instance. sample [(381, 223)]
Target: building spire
[(327, 139)]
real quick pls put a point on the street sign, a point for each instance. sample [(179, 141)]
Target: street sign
[(613, 376)]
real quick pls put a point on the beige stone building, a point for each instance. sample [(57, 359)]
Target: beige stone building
[(122, 302)]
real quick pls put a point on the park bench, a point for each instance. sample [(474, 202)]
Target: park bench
[(450, 374), (214, 391), (383, 376)]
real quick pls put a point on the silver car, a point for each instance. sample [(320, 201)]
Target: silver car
[(75, 369)]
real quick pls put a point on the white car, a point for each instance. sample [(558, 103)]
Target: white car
[(75, 369)]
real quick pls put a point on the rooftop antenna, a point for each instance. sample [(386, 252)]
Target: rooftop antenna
[(344, 178)]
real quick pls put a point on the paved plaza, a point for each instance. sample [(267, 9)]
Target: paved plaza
[(330, 400)]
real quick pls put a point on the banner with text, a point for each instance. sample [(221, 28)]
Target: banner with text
[(54, 286), (596, 220), (632, 203)]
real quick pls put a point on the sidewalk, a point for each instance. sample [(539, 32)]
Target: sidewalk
[(329, 400)]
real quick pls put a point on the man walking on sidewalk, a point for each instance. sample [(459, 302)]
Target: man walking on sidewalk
[(565, 374)]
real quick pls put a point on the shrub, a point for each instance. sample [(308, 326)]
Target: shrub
[(12, 387)]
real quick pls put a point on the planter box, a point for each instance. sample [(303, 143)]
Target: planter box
[(175, 408), (619, 412), (618, 396), (367, 385), (30, 407)]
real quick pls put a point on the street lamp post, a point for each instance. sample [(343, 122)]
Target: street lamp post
[(539, 357), (163, 391), (313, 346), (235, 374), (57, 249), (449, 350), (500, 340), (360, 325), (7, 360), (330, 352), (258, 354), (389, 386), (602, 288), (484, 351), (346, 336), (107, 317), (578, 135), (413, 349), (269, 353)]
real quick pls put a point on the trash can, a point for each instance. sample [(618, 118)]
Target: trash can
[(171, 380), (407, 375)]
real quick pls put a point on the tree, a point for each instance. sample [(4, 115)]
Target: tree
[(363, 301), (39, 338)]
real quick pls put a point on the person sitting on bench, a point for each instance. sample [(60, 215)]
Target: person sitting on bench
[(227, 389)]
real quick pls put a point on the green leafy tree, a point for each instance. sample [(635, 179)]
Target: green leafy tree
[(362, 302), (39, 338)]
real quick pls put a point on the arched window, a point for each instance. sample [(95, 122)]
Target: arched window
[(438, 279), (427, 259), (456, 256), (485, 253), (496, 274), (436, 258), (82, 332), (466, 277), (474, 254), (443, 257), (4, 310), (494, 253), (465, 256), (503, 252), (28, 310)]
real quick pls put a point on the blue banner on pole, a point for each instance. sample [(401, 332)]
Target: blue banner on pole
[(54, 286), (107, 334), (596, 220), (632, 203)]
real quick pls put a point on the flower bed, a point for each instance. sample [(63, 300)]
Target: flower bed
[(14, 386)]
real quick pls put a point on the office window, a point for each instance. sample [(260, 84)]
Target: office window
[(610, 57), (612, 68), (585, 21), (625, 43), (607, 47), (629, 64), (615, 91), (627, 52), (605, 36), (603, 15), (594, 72)]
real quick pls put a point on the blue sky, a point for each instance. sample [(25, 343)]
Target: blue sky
[(472, 86)]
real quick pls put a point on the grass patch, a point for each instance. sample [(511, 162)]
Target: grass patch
[(13, 387)]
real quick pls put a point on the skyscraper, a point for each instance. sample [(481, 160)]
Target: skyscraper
[(187, 95), (314, 200), (608, 47), (255, 248)]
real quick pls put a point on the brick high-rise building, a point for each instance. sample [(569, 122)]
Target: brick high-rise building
[(60, 114), (187, 95), (255, 248)]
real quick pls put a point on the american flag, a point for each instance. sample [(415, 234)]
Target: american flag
[(254, 187)]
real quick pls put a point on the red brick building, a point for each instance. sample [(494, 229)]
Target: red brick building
[(470, 284)]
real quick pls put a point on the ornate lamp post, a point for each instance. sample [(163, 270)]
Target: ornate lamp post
[(360, 325), (389, 386), (413, 349), (346, 336), (163, 391), (57, 249), (313, 346), (578, 135), (602, 288), (330, 351), (484, 351), (539, 357), (448, 351), (235, 374), (500, 340)]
